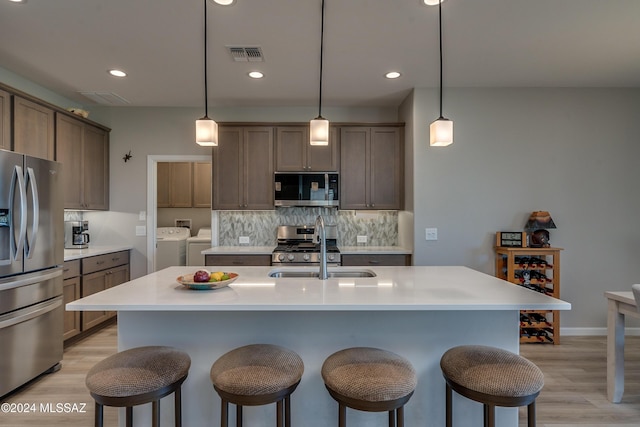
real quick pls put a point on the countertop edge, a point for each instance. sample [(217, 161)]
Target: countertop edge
[(73, 254)]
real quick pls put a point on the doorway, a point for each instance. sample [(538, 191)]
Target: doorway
[(152, 202)]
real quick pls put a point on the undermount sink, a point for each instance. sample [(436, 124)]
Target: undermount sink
[(286, 273)]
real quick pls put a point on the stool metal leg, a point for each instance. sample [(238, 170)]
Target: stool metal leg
[(400, 416), (155, 413), (238, 415), (279, 411), (342, 415), (392, 418), (178, 407), (531, 414), (287, 411), (491, 415), (129, 416), (449, 409), (224, 413), (98, 415)]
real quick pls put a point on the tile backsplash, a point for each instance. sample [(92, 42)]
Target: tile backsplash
[(381, 227)]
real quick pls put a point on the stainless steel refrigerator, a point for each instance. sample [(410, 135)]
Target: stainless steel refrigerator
[(31, 258)]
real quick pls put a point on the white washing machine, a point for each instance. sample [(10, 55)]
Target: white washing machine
[(171, 246), (197, 244)]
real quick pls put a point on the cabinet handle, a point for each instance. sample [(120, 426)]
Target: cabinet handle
[(374, 262), (100, 262), (238, 263)]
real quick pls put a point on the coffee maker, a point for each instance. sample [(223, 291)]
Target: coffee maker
[(76, 234)]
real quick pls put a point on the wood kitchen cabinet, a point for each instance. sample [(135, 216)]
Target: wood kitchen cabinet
[(175, 185), (240, 260), (83, 149), (375, 259), (202, 185), (243, 168), (5, 120), (295, 154), (71, 292), (33, 129), (371, 173)]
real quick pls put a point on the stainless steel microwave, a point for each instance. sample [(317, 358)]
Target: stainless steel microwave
[(307, 189)]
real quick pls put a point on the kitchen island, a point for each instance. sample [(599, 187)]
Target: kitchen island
[(417, 312)]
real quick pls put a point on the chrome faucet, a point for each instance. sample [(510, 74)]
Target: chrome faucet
[(321, 237)]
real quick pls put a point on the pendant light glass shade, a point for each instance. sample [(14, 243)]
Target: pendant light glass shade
[(441, 132), (206, 132), (319, 127), (206, 128), (319, 131)]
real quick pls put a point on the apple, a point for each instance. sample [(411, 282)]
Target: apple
[(201, 276)]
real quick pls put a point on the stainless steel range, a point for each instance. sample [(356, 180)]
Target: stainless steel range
[(297, 247)]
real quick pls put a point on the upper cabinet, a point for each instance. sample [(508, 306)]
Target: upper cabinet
[(295, 154), (175, 185), (202, 185), (243, 168), (33, 129), (5, 120), (83, 149), (371, 176)]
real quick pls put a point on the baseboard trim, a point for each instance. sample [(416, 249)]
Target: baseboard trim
[(595, 331)]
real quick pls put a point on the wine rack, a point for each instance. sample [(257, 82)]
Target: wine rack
[(537, 269)]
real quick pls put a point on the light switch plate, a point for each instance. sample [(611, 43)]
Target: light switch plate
[(361, 239), (431, 233), (244, 240), (141, 230)]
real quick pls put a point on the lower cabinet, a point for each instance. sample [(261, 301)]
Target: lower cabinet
[(240, 260), (88, 276), (376, 259)]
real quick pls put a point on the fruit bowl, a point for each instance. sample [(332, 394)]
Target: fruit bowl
[(188, 282)]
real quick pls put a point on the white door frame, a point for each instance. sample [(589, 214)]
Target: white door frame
[(152, 196)]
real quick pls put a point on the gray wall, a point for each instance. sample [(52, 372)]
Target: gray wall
[(572, 152)]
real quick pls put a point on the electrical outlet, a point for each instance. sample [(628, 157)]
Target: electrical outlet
[(142, 216), (141, 230), (244, 240), (431, 233), (361, 239)]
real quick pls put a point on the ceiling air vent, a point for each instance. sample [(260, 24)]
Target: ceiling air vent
[(246, 54), (105, 98)]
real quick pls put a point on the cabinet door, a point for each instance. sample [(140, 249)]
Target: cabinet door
[(71, 292), (181, 185), (324, 158), (117, 276), (258, 168), (33, 129), (202, 185), (91, 284), (291, 148), (227, 169), (69, 134), (376, 259), (5, 120), (354, 168), (386, 174), (164, 185), (239, 260), (96, 168)]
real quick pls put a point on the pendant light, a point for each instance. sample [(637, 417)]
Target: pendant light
[(206, 128), (319, 127), (441, 130)]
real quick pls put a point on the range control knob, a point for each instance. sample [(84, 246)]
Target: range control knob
[(281, 257), (291, 257), (331, 257), (306, 257)]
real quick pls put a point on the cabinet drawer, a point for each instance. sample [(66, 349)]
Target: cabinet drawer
[(102, 262), (71, 269), (229, 260), (373, 259)]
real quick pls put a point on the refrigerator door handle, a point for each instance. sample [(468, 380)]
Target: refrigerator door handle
[(17, 181), (29, 279), (31, 179)]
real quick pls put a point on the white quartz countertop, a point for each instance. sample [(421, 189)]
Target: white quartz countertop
[(239, 250), (71, 254), (393, 288), (381, 250)]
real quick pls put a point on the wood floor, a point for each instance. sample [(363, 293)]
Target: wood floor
[(574, 393)]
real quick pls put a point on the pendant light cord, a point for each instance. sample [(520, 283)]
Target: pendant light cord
[(206, 92), (321, 55), (440, 37)]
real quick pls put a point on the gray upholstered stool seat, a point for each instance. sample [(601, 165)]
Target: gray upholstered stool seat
[(369, 379), (257, 374), (493, 377), (137, 376)]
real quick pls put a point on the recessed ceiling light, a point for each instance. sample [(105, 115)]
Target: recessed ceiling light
[(117, 73), (432, 2), (256, 75), (224, 2), (392, 75), (18, 1)]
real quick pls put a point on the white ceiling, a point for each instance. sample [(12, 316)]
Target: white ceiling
[(67, 46)]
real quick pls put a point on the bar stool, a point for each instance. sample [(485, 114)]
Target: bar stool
[(138, 376), (369, 379), (257, 374), (493, 377)]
